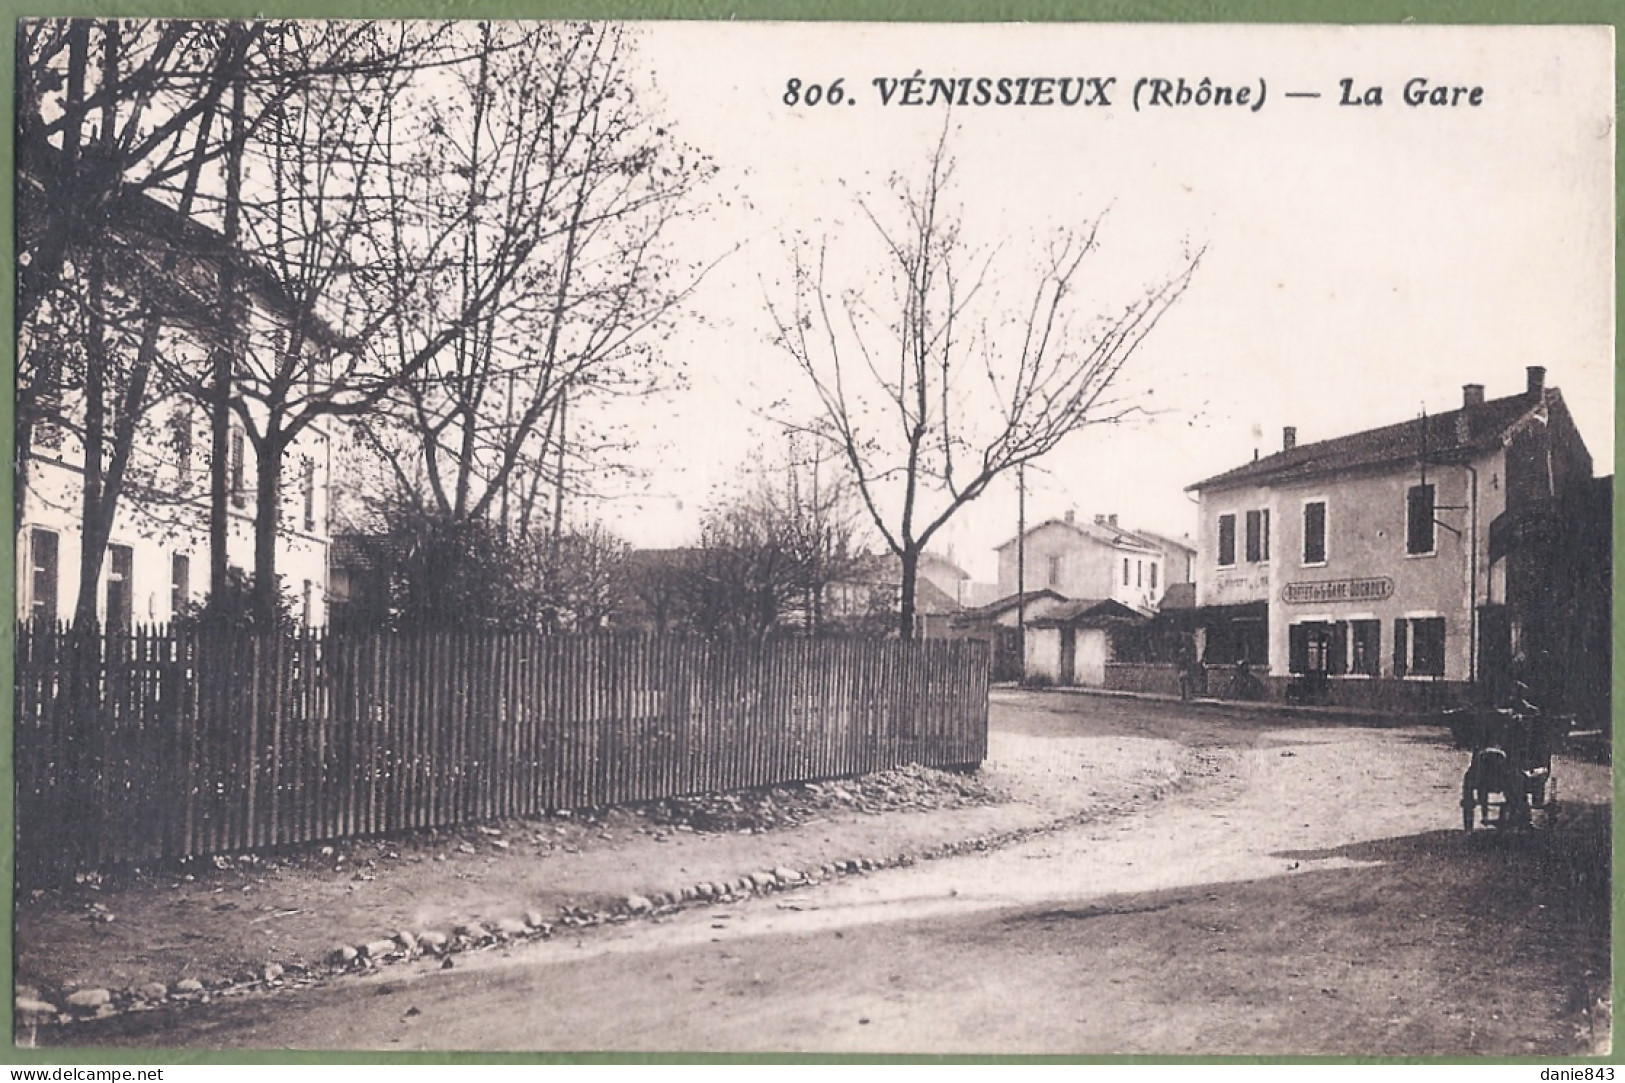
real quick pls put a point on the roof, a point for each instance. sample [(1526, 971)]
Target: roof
[(1009, 602), (1089, 613), (1163, 541), (944, 564), (1439, 436), (147, 226), (1103, 533), (930, 599)]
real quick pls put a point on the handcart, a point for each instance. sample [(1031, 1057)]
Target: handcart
[(1510, 774)]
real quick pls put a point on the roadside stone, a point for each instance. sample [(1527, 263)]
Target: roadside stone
[(512, 927), (29, 1006), (705, 891), (86, 1001), (786, 875), (272, 972), (685, 894), (189, 985), (152, 990), (343, 955), (637, 904), (377, 949), (407, 941), (762, 881), (534, 919), (432, 941)]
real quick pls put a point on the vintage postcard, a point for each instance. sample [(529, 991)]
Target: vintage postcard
[(735, 538)]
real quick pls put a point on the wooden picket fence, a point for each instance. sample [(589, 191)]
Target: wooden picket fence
[(155, 745)]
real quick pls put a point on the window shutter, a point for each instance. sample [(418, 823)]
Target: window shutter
[(1419, 510), (1401, 645), (1314, 533), (1298, 648), (1227, 539)]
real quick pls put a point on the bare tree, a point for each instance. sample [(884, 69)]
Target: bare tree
[(924, 396), (769, 553), (543, 138), (584, 578), (127, 131)]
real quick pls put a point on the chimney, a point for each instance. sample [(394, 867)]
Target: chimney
[(1289, 438), (1100, 520), (1537, 381), (1112, 519), (1472, 395), (1070, 516)]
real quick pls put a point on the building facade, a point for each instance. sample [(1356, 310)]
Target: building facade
[(156, 564), (1097, 560), (1381, 568)]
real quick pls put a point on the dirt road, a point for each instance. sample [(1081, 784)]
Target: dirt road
[(1313, 897)]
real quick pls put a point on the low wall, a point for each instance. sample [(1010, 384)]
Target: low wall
[(1160, 678), (1360, 693), (1383, 694)]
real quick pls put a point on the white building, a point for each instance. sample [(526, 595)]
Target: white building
[(1098, 560), (157, 559)]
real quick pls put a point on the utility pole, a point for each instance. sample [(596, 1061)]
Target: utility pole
[(1021, 568)]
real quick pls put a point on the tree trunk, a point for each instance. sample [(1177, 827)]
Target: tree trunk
[(224, 354), (90, 508), (905, 611), (267, 520)]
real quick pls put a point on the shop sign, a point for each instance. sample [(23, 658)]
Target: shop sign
[(1373, 589)]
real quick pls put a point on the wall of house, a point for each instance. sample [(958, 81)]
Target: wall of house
[(1043, 661), (173, 521), (1093, 652)]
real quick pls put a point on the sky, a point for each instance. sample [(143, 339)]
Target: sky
[(1360, 263)]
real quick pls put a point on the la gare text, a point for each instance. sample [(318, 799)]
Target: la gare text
[(1146, 93)]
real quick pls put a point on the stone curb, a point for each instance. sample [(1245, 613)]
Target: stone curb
[(89, 1002)]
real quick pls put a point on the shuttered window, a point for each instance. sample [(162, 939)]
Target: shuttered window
[(1314, 532), (1227, 540), (1419, 520)]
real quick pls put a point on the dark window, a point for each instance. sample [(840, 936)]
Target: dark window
[(1258, 546), (1125, 571), (1227, 540), (1402, 650), (1139, 573), (120, 563), (180, 583), (1314, 532), (237, 497), (1419, 519), (1427, 646), (43, 555), (1367, 647), (1153, 575)]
